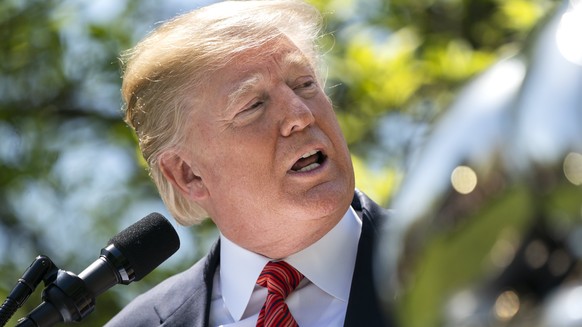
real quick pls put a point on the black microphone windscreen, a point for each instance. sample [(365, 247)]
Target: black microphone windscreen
[(147, 243)]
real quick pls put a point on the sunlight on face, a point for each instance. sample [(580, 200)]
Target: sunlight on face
[(269, 148)]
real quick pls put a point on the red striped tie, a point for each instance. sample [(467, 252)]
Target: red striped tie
[(280, 279)]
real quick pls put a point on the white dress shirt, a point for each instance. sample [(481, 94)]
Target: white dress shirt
[(321, 299)]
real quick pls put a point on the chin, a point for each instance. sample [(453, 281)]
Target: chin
[(328, 204)]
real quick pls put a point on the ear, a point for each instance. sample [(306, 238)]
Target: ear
[(182, 175)]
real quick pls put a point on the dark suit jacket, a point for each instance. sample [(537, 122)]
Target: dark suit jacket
[(184, 299)]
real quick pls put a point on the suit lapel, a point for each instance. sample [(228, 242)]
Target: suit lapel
[(364, 308), (194, 309)]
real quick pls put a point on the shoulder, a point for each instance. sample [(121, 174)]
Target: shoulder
[(165, 299)]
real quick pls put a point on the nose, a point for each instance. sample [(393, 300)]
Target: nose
[(296, 114)]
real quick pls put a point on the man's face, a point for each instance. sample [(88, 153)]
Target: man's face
[(268, 148)]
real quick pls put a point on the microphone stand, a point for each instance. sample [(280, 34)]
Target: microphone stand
[(41, 269), (66, 297)]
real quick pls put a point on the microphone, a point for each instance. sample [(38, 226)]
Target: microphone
[(129, 256), (132, 254)]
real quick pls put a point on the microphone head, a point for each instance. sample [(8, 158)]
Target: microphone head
[(147, 243)]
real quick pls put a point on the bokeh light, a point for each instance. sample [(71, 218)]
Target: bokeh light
[(464, 179)]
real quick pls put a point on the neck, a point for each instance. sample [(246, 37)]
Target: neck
[(278, 243), (294, 240)]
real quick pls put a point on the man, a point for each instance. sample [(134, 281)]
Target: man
[(229, 108)]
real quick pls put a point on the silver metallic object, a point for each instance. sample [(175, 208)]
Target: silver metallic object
[(487, 227)]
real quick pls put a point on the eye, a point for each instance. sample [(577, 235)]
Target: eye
[(306, 85), (250, 108), (306, 88), (254, 106)]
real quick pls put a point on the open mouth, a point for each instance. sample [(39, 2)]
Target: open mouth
[(309, 161)]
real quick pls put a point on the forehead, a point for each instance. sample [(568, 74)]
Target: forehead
[(282, 55), (245, 71), (254, 68), (281, 52)]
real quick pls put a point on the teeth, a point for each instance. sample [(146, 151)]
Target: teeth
[(310, 167), (308, 154)]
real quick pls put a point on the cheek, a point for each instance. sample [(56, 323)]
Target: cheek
[(330, 126), (323, 110), (329, 123), (239, 160)]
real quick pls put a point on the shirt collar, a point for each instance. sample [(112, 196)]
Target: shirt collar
[(336, 251)]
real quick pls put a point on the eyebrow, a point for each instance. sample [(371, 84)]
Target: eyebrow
[(296, 59), (290, 59), (242, 88)]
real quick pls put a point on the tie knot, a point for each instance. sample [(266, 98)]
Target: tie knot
[(279, 278)]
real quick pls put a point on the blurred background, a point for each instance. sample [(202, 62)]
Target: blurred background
[(71, 175)]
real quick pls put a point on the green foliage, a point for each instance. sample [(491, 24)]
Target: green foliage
[(412, 56), (378, 183), (69, 168)]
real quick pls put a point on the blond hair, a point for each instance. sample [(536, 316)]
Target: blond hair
[(163, 71)]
